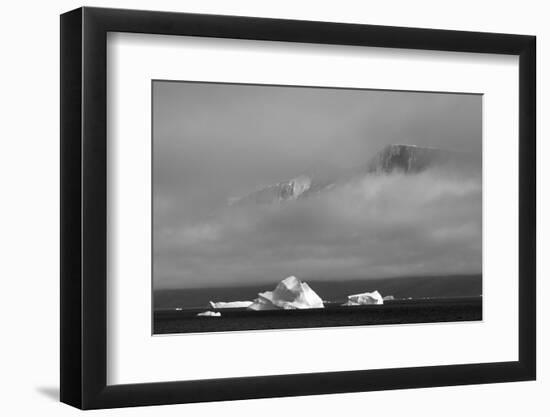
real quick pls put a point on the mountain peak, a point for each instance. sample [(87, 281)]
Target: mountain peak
[(282, 191), (407, 158)]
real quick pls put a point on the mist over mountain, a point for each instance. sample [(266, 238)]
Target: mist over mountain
[(282, 191), (395, 158), (411, 159)]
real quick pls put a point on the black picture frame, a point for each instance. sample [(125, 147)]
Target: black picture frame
[(84, 207)]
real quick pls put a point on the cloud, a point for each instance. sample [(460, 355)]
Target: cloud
[(389, 225)]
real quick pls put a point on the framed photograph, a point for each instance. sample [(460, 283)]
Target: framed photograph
[(256, 208)]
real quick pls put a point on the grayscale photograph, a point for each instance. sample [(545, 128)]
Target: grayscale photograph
[(281, 207)]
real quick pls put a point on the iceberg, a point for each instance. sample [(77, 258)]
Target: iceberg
[(290, 293), (366, 298), (209, 314), (230, 304)]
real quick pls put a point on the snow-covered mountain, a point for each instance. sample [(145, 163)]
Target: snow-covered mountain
[(282, 191), (407, 159)]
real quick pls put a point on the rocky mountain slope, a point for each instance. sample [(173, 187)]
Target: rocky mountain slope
[(407, 159)]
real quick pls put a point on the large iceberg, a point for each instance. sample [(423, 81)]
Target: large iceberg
[(364, 299), (290, 293), (231, 304)]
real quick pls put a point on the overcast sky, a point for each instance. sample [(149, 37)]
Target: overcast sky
[(212, 142)]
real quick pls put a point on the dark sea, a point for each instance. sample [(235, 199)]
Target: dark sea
[(416, 300)]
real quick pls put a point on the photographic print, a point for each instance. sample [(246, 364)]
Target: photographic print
[(279, 207), (259, 205)]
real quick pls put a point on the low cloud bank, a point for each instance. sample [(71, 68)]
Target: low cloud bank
[(381, 225)]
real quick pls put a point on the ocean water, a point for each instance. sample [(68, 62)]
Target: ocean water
[(434, 310), (336, 291), (417, 300)]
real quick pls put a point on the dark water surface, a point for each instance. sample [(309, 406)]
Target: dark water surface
[(391, 312), (448, 286)]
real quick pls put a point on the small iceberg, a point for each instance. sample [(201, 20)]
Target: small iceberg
[(231, 304), (367, 298), (209, 314), (290, 293)]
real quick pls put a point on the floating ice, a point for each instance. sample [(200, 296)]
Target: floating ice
[(290, 293), (364, 299), (231, 304), (209, 314)]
